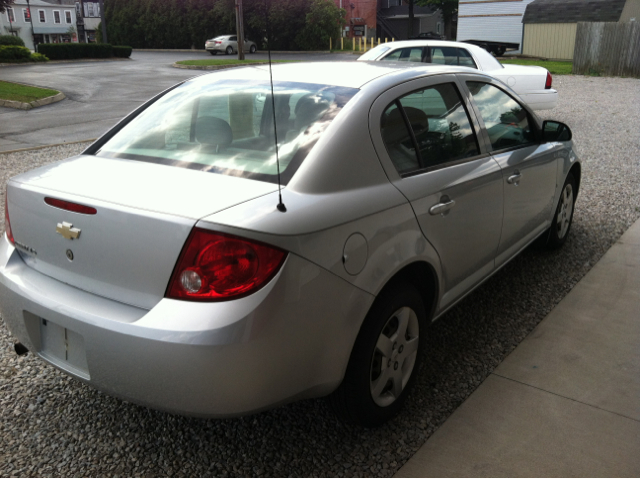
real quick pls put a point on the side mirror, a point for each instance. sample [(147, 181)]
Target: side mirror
[(555, 131)]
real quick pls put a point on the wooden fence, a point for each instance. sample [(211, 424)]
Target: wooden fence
[(611, 49)]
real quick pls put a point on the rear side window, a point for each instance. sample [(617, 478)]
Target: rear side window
[(451, 56), (405, 55), (428, 128), (504, 118)]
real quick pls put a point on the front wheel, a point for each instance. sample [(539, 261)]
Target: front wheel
[(385, 359), (229, 50), (561, 225)]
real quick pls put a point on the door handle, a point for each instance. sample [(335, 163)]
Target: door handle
[(443, 207), (515, 178)]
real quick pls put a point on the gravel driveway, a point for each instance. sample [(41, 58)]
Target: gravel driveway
[(51, 425)]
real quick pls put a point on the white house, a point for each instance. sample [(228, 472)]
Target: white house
[(43, 22)]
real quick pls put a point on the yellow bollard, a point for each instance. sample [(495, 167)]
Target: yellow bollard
[(378, 40), (371, 42), (330, 44), (393, 39), (341, 43), (353, 44)]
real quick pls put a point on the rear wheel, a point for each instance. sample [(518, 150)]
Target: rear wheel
[(229, 50), (252, 49), (384, 360)]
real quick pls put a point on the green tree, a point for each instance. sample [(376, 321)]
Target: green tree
[(4, 4), (324, 21), (449, 8)]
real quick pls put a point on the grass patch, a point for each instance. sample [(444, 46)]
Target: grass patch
[(228, 62), (555, 68), (23, 93)]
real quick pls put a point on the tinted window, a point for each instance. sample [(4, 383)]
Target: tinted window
[(227, 127), (405, 55), (440, 125), (505, 120), (233, 39), (451, 56), (465, 59)]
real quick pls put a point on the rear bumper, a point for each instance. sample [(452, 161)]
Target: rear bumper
[(215, 48), (541, 100), (290, 340)]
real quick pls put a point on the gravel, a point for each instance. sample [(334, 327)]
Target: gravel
[(52, 425)]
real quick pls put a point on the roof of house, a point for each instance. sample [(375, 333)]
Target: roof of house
[(573, 11)]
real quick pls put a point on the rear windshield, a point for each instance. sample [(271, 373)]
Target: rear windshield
[(227, 127)]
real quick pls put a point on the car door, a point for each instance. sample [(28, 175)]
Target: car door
[(427, 140), (233, 43), (529, 167)]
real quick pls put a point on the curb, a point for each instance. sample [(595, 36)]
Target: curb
[(41, 147), (258, 51), (34, 104), (216, 67), (78, 60)]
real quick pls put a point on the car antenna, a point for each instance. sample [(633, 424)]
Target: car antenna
[(281, 207)]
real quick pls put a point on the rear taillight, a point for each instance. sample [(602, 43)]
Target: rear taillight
[(217, 267), (547, 85), (69, 206), (7, 222)]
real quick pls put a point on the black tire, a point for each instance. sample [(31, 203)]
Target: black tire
[(229, 50), (558, 232), (213, 52), (500, 51), (369, 369), (252, 49)]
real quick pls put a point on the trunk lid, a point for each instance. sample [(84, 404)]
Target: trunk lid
[(144, 214), (522, 78)]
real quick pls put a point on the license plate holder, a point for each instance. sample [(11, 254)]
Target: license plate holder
[(64, 348)]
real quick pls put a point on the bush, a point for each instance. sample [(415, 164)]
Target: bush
[(70, 51), (11, 40), (122, 52), (38, 57), (13, 52)]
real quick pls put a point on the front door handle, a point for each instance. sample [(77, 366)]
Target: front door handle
[(515, 178), (445, 205)]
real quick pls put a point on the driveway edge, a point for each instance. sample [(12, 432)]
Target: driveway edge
[(34, 104)]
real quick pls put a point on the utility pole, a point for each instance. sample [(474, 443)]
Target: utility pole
[(239, 29), (80, 21), (103, 23), (33, 35)]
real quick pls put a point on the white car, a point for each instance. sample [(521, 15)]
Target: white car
[(532, 83), (228, 44)]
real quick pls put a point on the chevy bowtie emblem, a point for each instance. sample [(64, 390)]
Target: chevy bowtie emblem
[(68, 231)]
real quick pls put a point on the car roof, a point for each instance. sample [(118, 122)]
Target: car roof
[(345, 74), (425, 41)]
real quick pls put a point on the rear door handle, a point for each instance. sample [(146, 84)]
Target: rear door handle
[(514, 179), (441, 207)]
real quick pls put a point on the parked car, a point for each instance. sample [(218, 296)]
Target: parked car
[(183, 263), (428, 36), (532, 83), (228, 44)]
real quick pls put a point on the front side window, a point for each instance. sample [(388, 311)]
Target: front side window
[(42, 16), (26, 14), (405, 55), (10, 15), (506, 121), (56, 17), (67, 17), (227, 127), (436, 129)]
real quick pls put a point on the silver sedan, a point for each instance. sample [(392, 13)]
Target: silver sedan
[(228, 44), (233, 245)]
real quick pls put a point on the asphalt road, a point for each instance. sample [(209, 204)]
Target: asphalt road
[(100, 93)]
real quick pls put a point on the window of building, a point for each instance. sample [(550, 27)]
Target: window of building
[(438, 27), (56, 16), (42, 16), (27, 15), (67, 17), (10, 15), (90, 10)]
